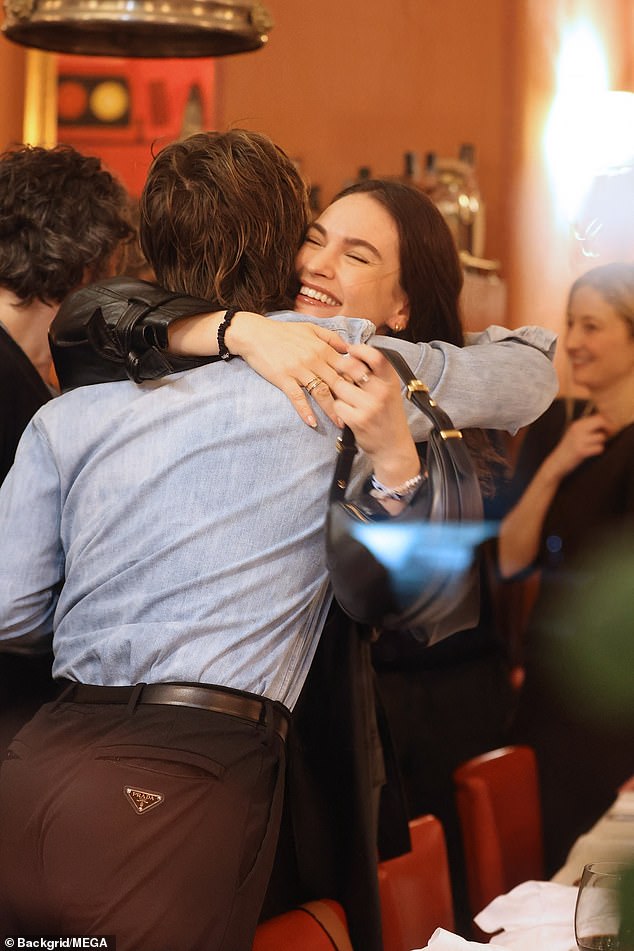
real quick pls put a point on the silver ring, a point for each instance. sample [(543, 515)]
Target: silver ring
[(363, 379), (313, 384)]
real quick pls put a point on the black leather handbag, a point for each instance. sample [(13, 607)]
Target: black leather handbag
[(417, 570)]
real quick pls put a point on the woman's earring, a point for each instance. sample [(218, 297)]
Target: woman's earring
[(398, 328)]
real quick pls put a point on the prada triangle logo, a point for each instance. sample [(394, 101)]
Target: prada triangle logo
[(142, 800)]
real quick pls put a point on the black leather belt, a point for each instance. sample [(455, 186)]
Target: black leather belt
[(200, 696)]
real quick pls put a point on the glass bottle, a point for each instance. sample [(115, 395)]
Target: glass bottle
[(411, 168), (471, 220), (429, 179)]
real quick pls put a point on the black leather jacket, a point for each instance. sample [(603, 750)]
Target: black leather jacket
[(117, 330)]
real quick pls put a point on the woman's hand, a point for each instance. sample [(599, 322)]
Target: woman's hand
[(521, 529), (370, 402), (584, 437), (301, 359)]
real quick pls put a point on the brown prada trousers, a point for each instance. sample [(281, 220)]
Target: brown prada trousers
[(156, 824)]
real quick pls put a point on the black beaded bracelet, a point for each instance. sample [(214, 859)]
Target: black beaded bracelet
[(223, 351)]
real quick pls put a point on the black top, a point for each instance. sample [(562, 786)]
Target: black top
[(591, 501), (25, 681), (584, 752), (22, 392)]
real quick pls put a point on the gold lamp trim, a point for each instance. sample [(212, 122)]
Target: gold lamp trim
[(139, 28)]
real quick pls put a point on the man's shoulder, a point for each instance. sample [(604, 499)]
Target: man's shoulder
[(352, 329)]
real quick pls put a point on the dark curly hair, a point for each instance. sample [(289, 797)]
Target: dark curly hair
[(62, 218), (222, 217)]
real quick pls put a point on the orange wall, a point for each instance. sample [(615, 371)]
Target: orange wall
[(345, 84), (12, 79)]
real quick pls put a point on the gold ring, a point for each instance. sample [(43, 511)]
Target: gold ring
[(313, 384), (363, 379)]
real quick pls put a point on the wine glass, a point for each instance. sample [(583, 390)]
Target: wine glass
[(597, 913)]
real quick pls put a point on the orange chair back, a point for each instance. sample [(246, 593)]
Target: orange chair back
[(497, 796), (415, 889), (300, 929)]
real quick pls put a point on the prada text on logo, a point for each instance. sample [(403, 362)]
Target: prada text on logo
[(142, 800)]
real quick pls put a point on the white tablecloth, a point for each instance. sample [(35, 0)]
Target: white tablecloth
[(534, 916), (539, 916), (611, 839), (442, 940)]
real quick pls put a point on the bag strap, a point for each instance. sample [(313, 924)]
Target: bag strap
[(418, 394), (328, 919), (346, 451)]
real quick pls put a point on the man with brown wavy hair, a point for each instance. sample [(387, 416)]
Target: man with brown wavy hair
[(194, 236), (170, 536)]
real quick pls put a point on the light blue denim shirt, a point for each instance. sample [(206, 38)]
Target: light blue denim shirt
[(173, 531)]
